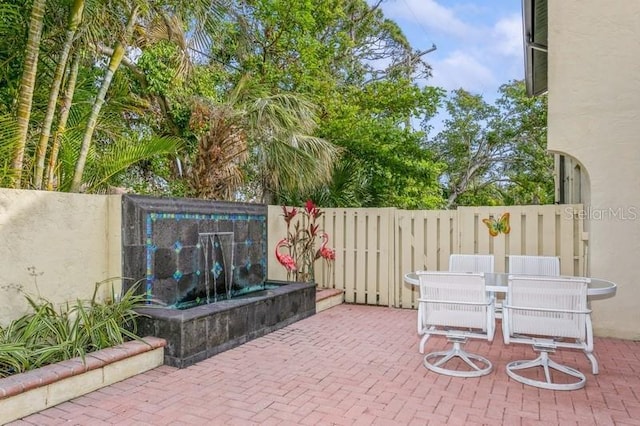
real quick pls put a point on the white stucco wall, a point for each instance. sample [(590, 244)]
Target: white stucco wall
[(594, 116), (56, 245)]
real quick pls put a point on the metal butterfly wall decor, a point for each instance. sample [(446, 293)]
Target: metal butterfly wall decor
[(497, 226)]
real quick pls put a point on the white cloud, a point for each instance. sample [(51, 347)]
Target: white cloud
[(431, 15), (479, 44), (507, 36), (462, 70)]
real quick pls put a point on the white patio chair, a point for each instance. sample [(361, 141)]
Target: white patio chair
[(471, 263), (475, 263), (534, 265), (457, 306), (548, 313)]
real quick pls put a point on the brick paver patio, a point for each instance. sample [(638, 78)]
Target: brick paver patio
[(358, 365)]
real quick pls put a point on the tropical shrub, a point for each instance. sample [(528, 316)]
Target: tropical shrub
[(300, 252), (47, 335)]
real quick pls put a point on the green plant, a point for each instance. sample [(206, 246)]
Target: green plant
[(46, 335), (299, 260), (13, 358)]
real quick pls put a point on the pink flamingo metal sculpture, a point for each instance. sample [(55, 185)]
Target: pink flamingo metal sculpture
[(324, 251), (285, 259)]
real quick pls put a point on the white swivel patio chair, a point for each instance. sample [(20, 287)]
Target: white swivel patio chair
[(455, 305), (475, 263), (471, 263), (534, 265), (464, 263), (548, 313)]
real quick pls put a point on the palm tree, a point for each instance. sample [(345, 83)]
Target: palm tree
[(221, 151), (349, 187), (65, 110), (27, 85), (114, 63), (164, 21), (274, 129), (75, 17), (284, 154), (266, 135)]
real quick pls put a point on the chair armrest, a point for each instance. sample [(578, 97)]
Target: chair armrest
[(455, 302), (529, 308)]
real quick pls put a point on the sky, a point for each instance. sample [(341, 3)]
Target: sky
[(478, 42)]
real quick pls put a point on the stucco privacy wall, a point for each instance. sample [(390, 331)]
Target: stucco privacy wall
[(57, 245), (594, 116)]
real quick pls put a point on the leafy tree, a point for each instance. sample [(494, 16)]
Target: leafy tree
[(115, 59), (283, 77), (531, 171), (331, 52), (315, 46), (373, 127), (87, 55), (11, 48), (495, 154)]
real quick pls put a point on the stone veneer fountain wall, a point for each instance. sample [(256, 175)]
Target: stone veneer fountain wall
[(203, 268)]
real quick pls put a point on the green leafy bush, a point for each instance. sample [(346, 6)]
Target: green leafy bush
[(47, 335)]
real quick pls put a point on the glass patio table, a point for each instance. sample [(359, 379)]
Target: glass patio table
[(497, 282)]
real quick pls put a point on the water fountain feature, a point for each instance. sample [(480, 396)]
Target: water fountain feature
[(203, 266)]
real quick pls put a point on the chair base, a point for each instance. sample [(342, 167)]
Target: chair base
[(593, 361), (546, 363), (434, 360)]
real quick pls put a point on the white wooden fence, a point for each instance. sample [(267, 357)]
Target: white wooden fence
[(376, 247)]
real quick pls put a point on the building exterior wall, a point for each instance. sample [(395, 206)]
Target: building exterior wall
[(56, 246), (594, 116)]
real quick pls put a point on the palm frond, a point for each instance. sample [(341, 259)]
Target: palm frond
[(204, 18), (282, 113), (8, 141), (169, 28), (299, 163), (116, 158), (8, 129)]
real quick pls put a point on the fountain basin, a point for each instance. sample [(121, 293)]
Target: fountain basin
[(202, 267), (200, 332)]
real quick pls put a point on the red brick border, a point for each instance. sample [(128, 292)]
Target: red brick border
[(22, 382)]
